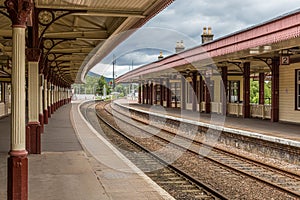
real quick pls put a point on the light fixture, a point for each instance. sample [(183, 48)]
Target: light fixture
[(284, 52)]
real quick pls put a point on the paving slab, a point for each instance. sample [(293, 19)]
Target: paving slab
[(69, 168)]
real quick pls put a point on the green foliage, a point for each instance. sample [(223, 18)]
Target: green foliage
[(101, 84), (125, 89), (93, 85), (268, 92), (121, 89), (254, 95)]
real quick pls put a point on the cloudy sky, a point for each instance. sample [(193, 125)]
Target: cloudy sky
[(184, 20)]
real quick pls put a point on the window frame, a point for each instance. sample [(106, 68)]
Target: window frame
[(2, 92), (297, 89)]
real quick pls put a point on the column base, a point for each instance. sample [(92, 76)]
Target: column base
[(207, 108), (246, 111), (49, 111), (17, 176), (274, 115), (41, 120), (52, 109), (33, 138), (46, 115)]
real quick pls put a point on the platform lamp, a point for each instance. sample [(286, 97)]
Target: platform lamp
[(187, 72)]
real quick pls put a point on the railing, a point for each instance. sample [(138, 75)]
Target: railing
[(4, 109), (268, 111), (165, 103), (261, 111), (235, 109), (174, 104), (189, 106), (256, 110), (216, 107), (8, 107), (202, 109)]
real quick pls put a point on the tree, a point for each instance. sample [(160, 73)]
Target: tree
[(254, 94), (268, 93), (121, 89), (101, 83)]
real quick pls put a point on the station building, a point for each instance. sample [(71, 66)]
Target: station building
[(214, 77)]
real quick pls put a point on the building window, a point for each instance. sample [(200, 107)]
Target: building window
[(1, 92), (175, 92), (298, 89)]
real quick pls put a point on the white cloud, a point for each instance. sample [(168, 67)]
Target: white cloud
[(184, 20)]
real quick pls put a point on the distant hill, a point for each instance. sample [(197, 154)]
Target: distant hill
[(92, 74)]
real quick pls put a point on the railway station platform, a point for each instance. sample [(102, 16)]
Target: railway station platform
[(264, 129), (77, 163), (272, 142)]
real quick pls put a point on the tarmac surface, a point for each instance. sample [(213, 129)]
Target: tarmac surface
[(78, 164)]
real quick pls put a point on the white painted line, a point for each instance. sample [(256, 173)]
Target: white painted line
[(156, 187)]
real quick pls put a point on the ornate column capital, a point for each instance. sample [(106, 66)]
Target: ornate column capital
[(33, 54), (19, 11)]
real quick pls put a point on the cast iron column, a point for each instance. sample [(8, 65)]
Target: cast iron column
[(33, 128), (34, 86), (155, 93), (147, 93), (161, 92), (224, 92), (261, 88), (168, 93), (41, 109), (183, 93), (151, 93), (246, 93), (275, 90), (49, 98), (207, 95), (176, 103), (140, 95), (194, 93), (45, 101), (17, 176), (144, 93), (201, 92)]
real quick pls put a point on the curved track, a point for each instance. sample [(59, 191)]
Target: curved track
[(277, 178), (173, 180)]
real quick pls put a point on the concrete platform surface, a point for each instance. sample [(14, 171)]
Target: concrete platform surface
[(70, 170)]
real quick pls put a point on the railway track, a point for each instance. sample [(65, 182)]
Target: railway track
[(274, 177), (179, 184)]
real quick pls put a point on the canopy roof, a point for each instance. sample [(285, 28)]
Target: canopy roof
[(76, 34)]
